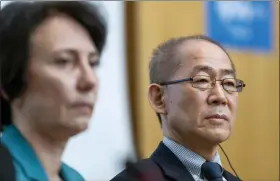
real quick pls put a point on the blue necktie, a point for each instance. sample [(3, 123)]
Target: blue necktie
[(212, 171)]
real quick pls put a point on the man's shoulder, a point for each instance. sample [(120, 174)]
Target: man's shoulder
[(230, 177), (145, 168)]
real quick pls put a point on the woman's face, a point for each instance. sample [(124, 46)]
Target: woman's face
[(62, 84)]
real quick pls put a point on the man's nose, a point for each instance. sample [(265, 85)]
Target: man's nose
[(217, 95)]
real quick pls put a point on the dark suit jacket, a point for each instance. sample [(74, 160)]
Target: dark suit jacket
[(163, 165), (7, 170)]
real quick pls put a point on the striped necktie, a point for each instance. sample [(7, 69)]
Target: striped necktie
[(212, 171)]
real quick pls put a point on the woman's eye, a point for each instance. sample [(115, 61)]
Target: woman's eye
[(94, 64), (62, 61)]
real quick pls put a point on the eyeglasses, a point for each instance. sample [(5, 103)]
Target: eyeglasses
[(206, 82)]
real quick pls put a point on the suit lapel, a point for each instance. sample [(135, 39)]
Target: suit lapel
[(229, 177), (170, 164)]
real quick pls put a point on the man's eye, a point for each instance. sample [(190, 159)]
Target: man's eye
[(202, 81), (231, 84)]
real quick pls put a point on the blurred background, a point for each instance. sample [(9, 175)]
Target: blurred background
[(124, 126)]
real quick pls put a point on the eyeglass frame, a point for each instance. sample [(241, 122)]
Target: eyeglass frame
[(212, 79)]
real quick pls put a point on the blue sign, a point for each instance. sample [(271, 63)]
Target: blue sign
[(243, 25)]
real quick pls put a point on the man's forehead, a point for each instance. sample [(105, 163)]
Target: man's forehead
[(208, 65), (199, 51), (201, 48), (196, 52), (204, 56)]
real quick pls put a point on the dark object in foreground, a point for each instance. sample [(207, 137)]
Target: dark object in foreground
[(7, 170), (163, 165)]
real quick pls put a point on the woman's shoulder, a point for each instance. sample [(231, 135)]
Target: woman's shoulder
[(9, 168), (70, 174)]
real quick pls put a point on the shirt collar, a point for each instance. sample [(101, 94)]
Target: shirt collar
[(24, 155), (190, 159)]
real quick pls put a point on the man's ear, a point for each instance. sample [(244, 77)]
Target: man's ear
[(156, 99)]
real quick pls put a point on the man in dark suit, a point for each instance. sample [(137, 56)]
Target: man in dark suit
[(7, 170), (194, 91)]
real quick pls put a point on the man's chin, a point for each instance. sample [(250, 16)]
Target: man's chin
[(218, 136)]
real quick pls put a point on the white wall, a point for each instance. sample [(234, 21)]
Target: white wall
[(100, 152)]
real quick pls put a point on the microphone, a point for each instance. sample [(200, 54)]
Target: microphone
[(229, 162)]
